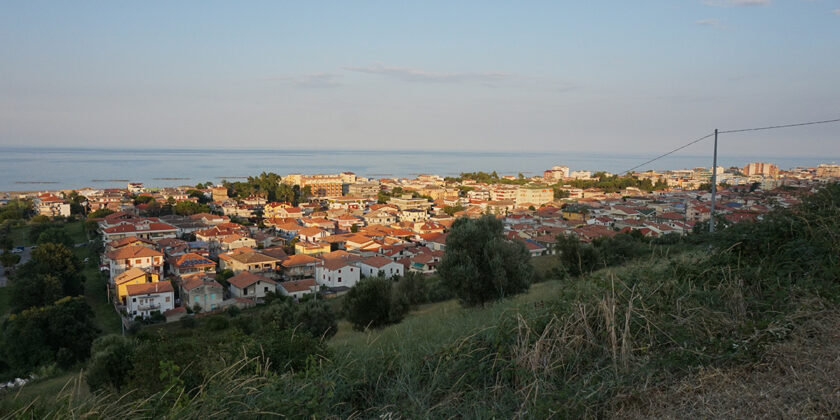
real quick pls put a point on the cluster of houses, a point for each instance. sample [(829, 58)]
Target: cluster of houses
[(347, 231)]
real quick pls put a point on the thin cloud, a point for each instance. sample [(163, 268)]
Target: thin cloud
[(736, 3), (311, 80), (836, 12), (409, 74), (709, 22)]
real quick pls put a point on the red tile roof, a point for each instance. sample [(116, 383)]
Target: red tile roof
[(148, 288), (246, 278)]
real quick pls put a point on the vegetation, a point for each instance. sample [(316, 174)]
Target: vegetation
[(479, 265), (372, 303), (598, 344), (59, 333)]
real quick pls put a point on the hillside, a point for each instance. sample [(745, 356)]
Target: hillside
[(723, 325)]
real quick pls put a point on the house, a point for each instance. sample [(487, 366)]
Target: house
[(201, 290), (122, 259), (50, 205), (311, 234), (372, 266), (312, 248), (145, 229), (297, 288), (131, 240), (191, 263), (425, 262), (299, 266), (234, 241), (250, 285), (144, 299), (247, 259), (336, 272), (132, 276)]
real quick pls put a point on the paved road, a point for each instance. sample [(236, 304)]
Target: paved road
[(24, 257)]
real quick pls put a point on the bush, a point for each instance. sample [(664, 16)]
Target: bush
[(110, 362), (188, 322), (372, 304), (217, 323), (411, 288), (480, 265)]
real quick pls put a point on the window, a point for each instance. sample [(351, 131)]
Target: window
[(265, 289), (245, 291), (167, 298), (134, 299), (195, 299), (339, 279), (213, 296), (339, 271), (138, 261)]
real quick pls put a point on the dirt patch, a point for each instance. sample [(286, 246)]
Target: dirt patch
[(799, 378)]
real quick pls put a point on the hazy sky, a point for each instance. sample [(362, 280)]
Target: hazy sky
[(617, 76)]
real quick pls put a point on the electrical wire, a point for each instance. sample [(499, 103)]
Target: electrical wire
[(772, 127), (740, 130)]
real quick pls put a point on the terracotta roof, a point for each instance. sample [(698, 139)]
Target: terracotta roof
[(299, 259), (192, 282), (153, 227), (175, 311), (193, 260), (333, 264), (132, 251), (129, 275), (119, 243), (149, 288), (246, 278), (298, 285), (377, 262), (310, 231)]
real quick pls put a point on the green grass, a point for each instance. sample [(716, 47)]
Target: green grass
[(105, 316)]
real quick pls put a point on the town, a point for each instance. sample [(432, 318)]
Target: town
[(170, 253)]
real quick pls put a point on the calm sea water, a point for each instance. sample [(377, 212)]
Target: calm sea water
[(34, 169)]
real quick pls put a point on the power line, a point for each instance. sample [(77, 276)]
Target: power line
[(741, 130), (779, 126), (671, 152)]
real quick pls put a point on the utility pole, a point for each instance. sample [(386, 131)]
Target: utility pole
[(714, 188)]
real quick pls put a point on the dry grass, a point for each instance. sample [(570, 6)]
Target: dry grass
[(797, 378)]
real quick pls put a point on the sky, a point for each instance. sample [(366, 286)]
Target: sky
[(609, 76)]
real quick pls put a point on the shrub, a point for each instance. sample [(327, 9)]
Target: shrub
[(480, 265), (371, 304)]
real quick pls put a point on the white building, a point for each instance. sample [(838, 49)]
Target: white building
[(297, 288), (336, 273), (370, 267), (252, 286), (144, 299)]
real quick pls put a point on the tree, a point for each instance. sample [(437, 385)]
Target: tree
[(317, 318), (34, 291), (54, 235), (187, 208), (54, 260), (40, 219), (110, 362), (62, 332), (9, 260), (223, 276), (371, 304), (577, 258), (98, 214), (412, 288), (480, 265)]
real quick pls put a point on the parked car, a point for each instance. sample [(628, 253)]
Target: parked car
[(17, 250)]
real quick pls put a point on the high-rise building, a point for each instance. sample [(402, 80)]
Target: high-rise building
[(767, 170)]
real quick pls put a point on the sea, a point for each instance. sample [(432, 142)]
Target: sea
[(48, 169)]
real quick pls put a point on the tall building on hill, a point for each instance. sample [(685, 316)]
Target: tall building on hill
[(767, 170)]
